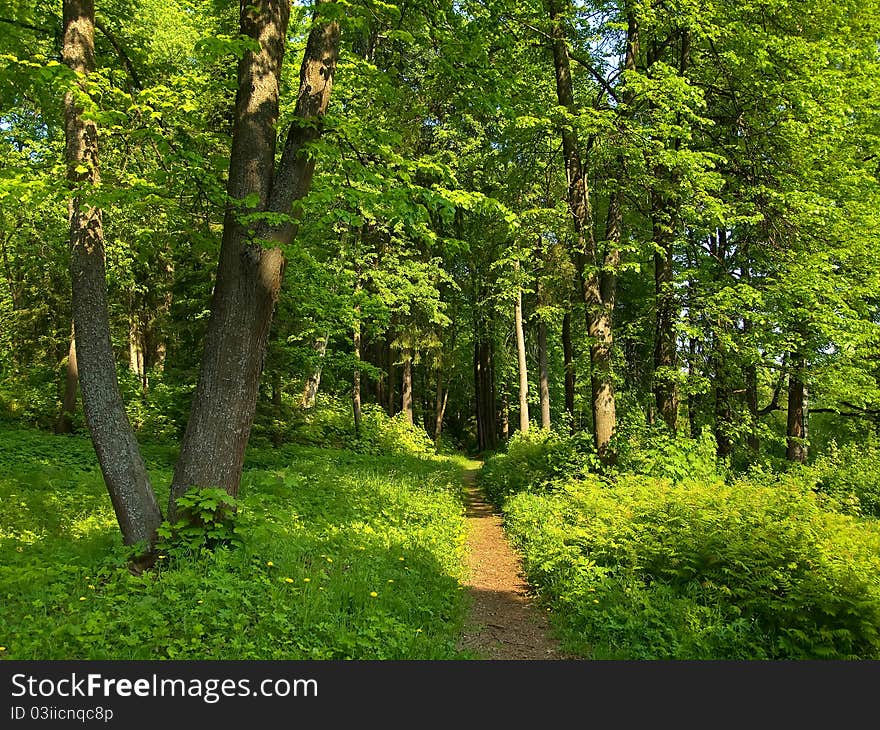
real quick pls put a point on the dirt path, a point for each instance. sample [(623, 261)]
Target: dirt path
[(503, 622)]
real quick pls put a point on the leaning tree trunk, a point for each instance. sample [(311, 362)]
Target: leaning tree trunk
[(249, 273), (117, 449)]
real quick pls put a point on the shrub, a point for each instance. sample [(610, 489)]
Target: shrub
[(647, 569), (535, 459), (654, 451), (331, 423), (851, 472)]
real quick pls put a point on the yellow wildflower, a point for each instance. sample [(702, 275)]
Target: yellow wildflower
[(82, 598), (307, 580), (288, 580), (374, 594), (269, 563)]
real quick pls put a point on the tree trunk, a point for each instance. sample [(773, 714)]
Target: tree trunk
[(125, 474), (487, 434), (439, 407), (596, 269), (391, 405), (407, 389), (277, 428), (796, 431), (665, 387), (568, 360), (544, 375), (313, 382), (64, 424), (356, 380), (249, 273), (522, 367), (753, 441)]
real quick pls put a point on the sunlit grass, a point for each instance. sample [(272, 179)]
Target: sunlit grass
[(345, 556)]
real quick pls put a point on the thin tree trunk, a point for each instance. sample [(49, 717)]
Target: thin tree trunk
[(122, 465), (313, 382), (522, 367), (692, 402), (796, 431), (249, 273), (440, 407), (664, 224), (544, 374), (505, 416), (543, 368), (407, 389), (64, 424), (485, 396), (277, 427), (356, 380), (391, 407), (568, 360)]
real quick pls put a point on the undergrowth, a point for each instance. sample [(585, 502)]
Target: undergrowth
[(336, 555)]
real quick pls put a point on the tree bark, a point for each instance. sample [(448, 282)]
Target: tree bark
[(249, 274), (64, 424), (356, 379), (122, 465), (440, 407), (544, 375), (665, 386), (522, 367), (313, 382), (568, 361), (796, 431), (407, 389), (484, 386)]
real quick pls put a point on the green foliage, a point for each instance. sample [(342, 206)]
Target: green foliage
[(342, 556), (207, 520), (655, 452), (331, 423), (534, 459), (850, 474), (644, 569)]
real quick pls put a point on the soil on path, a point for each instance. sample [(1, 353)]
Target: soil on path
[(503, 622)]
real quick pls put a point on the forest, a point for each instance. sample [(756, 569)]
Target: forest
[(310, 311)]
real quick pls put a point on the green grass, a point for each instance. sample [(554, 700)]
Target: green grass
[(344, 556)]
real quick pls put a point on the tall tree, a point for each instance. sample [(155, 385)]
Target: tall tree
[(117, 449), (249, 273)]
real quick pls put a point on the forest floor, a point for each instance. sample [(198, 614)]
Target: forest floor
[(503, 622)]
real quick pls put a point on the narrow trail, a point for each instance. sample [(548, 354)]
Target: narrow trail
[(503, 622)]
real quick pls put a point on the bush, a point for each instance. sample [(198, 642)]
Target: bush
[(646, 569), (654, 451), (535, 459), (331, 423), (850, 474)]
